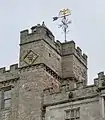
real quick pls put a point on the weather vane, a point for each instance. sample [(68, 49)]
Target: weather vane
[(63, 14)]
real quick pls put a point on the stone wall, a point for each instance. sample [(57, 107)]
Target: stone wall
[(74, 62), (51, 78), (33, 80), (89, 110), (46, 49), (51, 97), (10, 78), (63, 58)]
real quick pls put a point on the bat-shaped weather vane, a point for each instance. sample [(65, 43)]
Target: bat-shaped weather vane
[(63, 15)]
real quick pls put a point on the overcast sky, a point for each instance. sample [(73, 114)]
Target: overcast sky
[(87, 28)]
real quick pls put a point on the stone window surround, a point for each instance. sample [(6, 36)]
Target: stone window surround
[(72, 114), (3, 99)]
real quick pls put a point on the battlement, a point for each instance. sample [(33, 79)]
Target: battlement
[(62, 88), (72, 87), (81, 54), (66, 88), (100, 81), (38, 29), (58, 46), (24, 33), (11, 68), (64, 94), (67, 59), (70, 48), (41, 32), (38, 32)]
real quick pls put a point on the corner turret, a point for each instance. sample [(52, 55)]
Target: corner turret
[(74, 62)]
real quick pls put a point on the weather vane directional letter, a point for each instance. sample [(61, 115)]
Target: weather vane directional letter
[(63, 14)]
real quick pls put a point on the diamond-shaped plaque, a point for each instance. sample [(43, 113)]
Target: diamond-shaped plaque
[(30, 57)]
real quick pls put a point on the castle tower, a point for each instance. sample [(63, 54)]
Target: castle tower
[(40, 68), (40, 44), (44, 63)]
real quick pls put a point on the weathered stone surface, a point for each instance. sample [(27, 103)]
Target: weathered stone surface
[(52, 81)]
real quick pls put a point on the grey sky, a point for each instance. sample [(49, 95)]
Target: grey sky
[(87, 28)]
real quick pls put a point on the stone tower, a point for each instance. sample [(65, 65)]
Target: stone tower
[(40, 64), (50, 82), (44, 63)]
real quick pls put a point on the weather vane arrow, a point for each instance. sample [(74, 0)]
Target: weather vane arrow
[(63, 14)]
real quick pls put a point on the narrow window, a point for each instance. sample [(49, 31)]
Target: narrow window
[(5, 98), (77, 113), (67, 115), (73, 114)]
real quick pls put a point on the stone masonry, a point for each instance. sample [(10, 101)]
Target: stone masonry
[(50, 82)]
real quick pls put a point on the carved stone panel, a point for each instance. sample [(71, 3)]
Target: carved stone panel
[(30, 57)]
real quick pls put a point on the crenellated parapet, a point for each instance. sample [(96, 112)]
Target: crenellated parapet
[(2, 70), (12, 68), (74, 62), (11, 73), (41, 32), (70, 48), (24, 33), (81, 55), (65, 94), (67, 59), (100, 80), (38, 32), (58, 45)]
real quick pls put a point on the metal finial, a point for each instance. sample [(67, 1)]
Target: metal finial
[(63, 14)]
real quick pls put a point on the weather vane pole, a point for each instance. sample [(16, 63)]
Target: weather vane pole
[(63, 14)]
